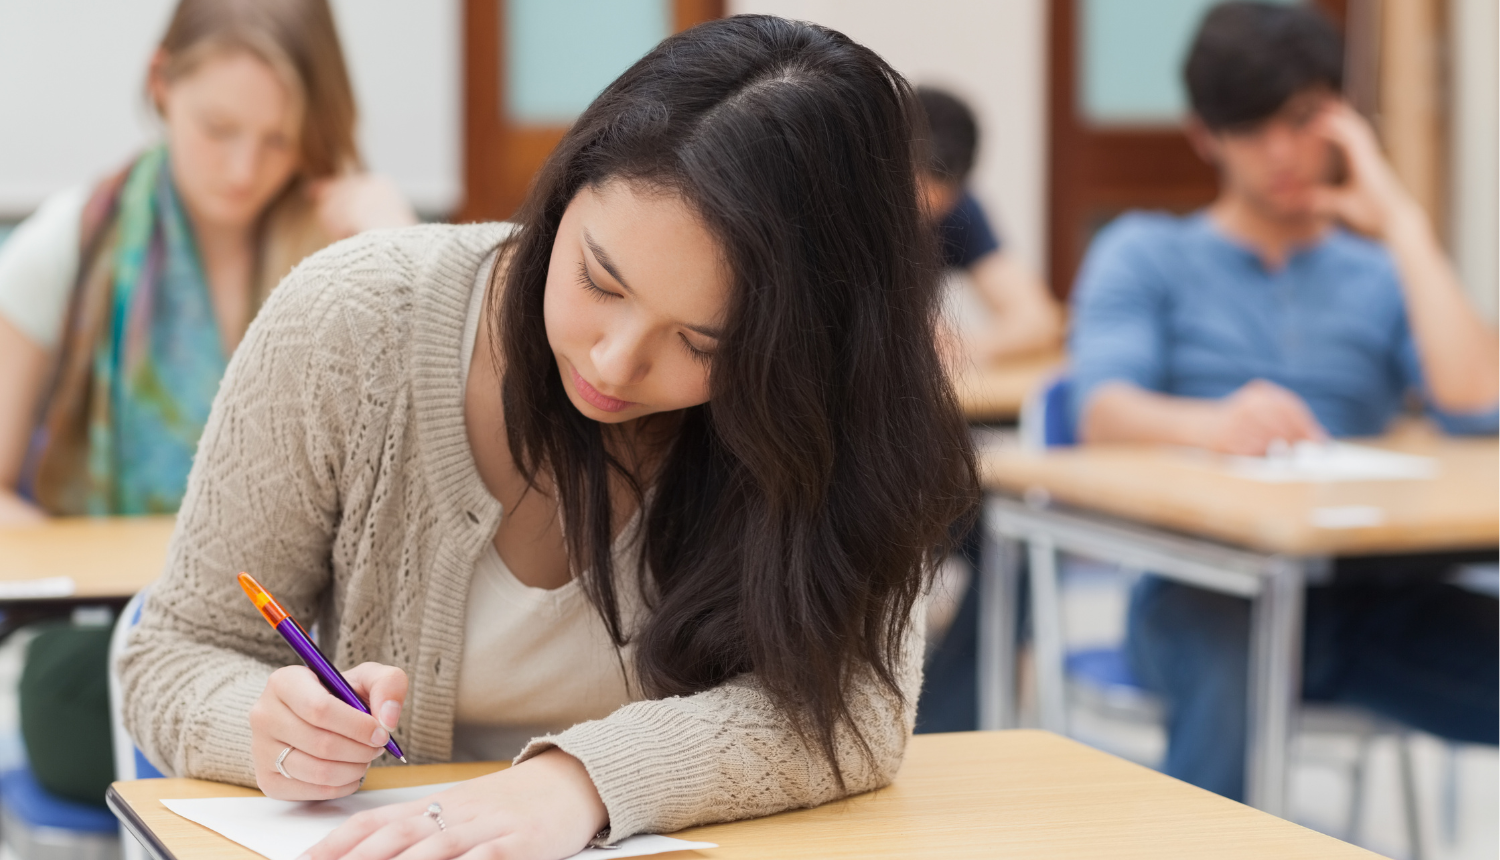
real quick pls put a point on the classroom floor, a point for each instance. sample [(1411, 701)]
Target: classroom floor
[(1458, 786)]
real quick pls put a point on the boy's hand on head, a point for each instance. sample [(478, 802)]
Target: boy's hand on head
[(1259, 414), (331, 743), (1371, 200)]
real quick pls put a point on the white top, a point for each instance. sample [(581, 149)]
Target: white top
[(38, 265), (536, 661)]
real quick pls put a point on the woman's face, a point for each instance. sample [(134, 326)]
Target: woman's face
[(637, 293), (232, 129)]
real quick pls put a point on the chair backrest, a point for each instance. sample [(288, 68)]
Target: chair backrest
[(1047, 416), (129, 762)]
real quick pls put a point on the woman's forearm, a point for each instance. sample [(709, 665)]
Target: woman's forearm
[(16, 511), (1025, 316), (23, 368)]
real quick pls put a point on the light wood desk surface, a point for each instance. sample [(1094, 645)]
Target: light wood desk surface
[(106, 557), (988, 794), (1192, 492), (997, 392)]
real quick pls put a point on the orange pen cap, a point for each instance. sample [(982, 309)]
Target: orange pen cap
[(263, 600)]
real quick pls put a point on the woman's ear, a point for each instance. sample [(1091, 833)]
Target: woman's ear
[(156, 81), (1202, 139)]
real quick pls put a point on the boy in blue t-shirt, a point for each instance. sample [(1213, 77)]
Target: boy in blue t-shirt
[(1310, 300)]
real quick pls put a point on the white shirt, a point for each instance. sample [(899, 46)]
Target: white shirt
[(535, 660), (38, 265)]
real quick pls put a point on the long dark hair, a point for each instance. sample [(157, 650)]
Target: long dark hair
[(797, 515)]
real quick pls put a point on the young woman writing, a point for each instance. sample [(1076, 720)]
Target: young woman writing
[(647, 489), (120, 304)]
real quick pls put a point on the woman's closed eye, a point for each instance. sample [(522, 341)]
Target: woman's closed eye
[(587, 282), (702, 356)]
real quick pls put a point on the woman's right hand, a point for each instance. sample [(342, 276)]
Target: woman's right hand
[(331, 743)]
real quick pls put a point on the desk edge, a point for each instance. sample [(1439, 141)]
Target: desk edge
[(137, 826)]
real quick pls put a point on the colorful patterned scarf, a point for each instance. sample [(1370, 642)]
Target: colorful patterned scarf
[(141, 356)]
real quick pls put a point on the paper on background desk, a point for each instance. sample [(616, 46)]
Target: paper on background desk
[(1326, 462), (285, 829), (37, 589)]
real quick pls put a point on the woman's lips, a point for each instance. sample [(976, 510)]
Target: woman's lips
[(592, 395)]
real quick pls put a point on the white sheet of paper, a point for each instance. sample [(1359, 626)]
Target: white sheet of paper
[(284, 829), (1326, 462), (1347, 517), (35, 589)]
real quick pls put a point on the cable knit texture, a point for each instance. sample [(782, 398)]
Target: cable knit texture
[(336, 468)]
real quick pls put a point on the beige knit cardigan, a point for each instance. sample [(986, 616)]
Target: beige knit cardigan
[(336, 468)]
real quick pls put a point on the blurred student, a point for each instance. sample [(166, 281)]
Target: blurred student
[(1310, 300), (120, 303), (1023, 315), (1022, 318)]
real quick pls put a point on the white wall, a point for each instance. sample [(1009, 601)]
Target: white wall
[(71, 108), (993, 54), (1474, 166)]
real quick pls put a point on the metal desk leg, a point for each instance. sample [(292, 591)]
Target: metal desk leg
[(999, 578), (1275, 682), (1046, 622)]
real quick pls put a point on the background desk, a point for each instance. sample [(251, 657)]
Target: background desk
[(108, 560), (1181, 514), (989, 794), (997, 392)]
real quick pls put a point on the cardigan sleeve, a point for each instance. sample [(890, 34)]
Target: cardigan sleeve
[(729, 753), (262, 497)]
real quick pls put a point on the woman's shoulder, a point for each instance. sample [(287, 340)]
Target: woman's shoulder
[(424, 256), (39, 263), (407, 272), (381, 308)]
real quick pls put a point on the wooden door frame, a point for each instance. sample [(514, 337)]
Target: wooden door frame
[(499, 157)]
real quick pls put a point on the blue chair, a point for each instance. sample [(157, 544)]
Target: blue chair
[(39, 825), (1101, 680), (1047, 416)]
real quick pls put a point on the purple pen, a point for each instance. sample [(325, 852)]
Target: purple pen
[(296, 637)]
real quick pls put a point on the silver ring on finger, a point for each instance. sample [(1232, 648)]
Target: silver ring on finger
[(281, 761), (435, 812)]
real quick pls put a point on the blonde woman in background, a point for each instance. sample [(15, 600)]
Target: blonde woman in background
[(121, 303)]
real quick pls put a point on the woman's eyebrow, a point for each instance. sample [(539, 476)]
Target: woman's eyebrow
[(609, 266), (604, 260)]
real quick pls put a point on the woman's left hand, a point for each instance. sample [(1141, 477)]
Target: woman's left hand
[(357, 202), (545, 808)]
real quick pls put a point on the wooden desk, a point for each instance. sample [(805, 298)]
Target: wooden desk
[(107, 558), (997, 392), (1192, 492), (1181, 514), (975, 795)]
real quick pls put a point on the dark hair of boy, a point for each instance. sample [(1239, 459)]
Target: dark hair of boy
[(1249, 58), (952, 134)]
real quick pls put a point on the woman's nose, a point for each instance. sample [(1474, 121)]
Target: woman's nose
[(620, 357), (242, 164)]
